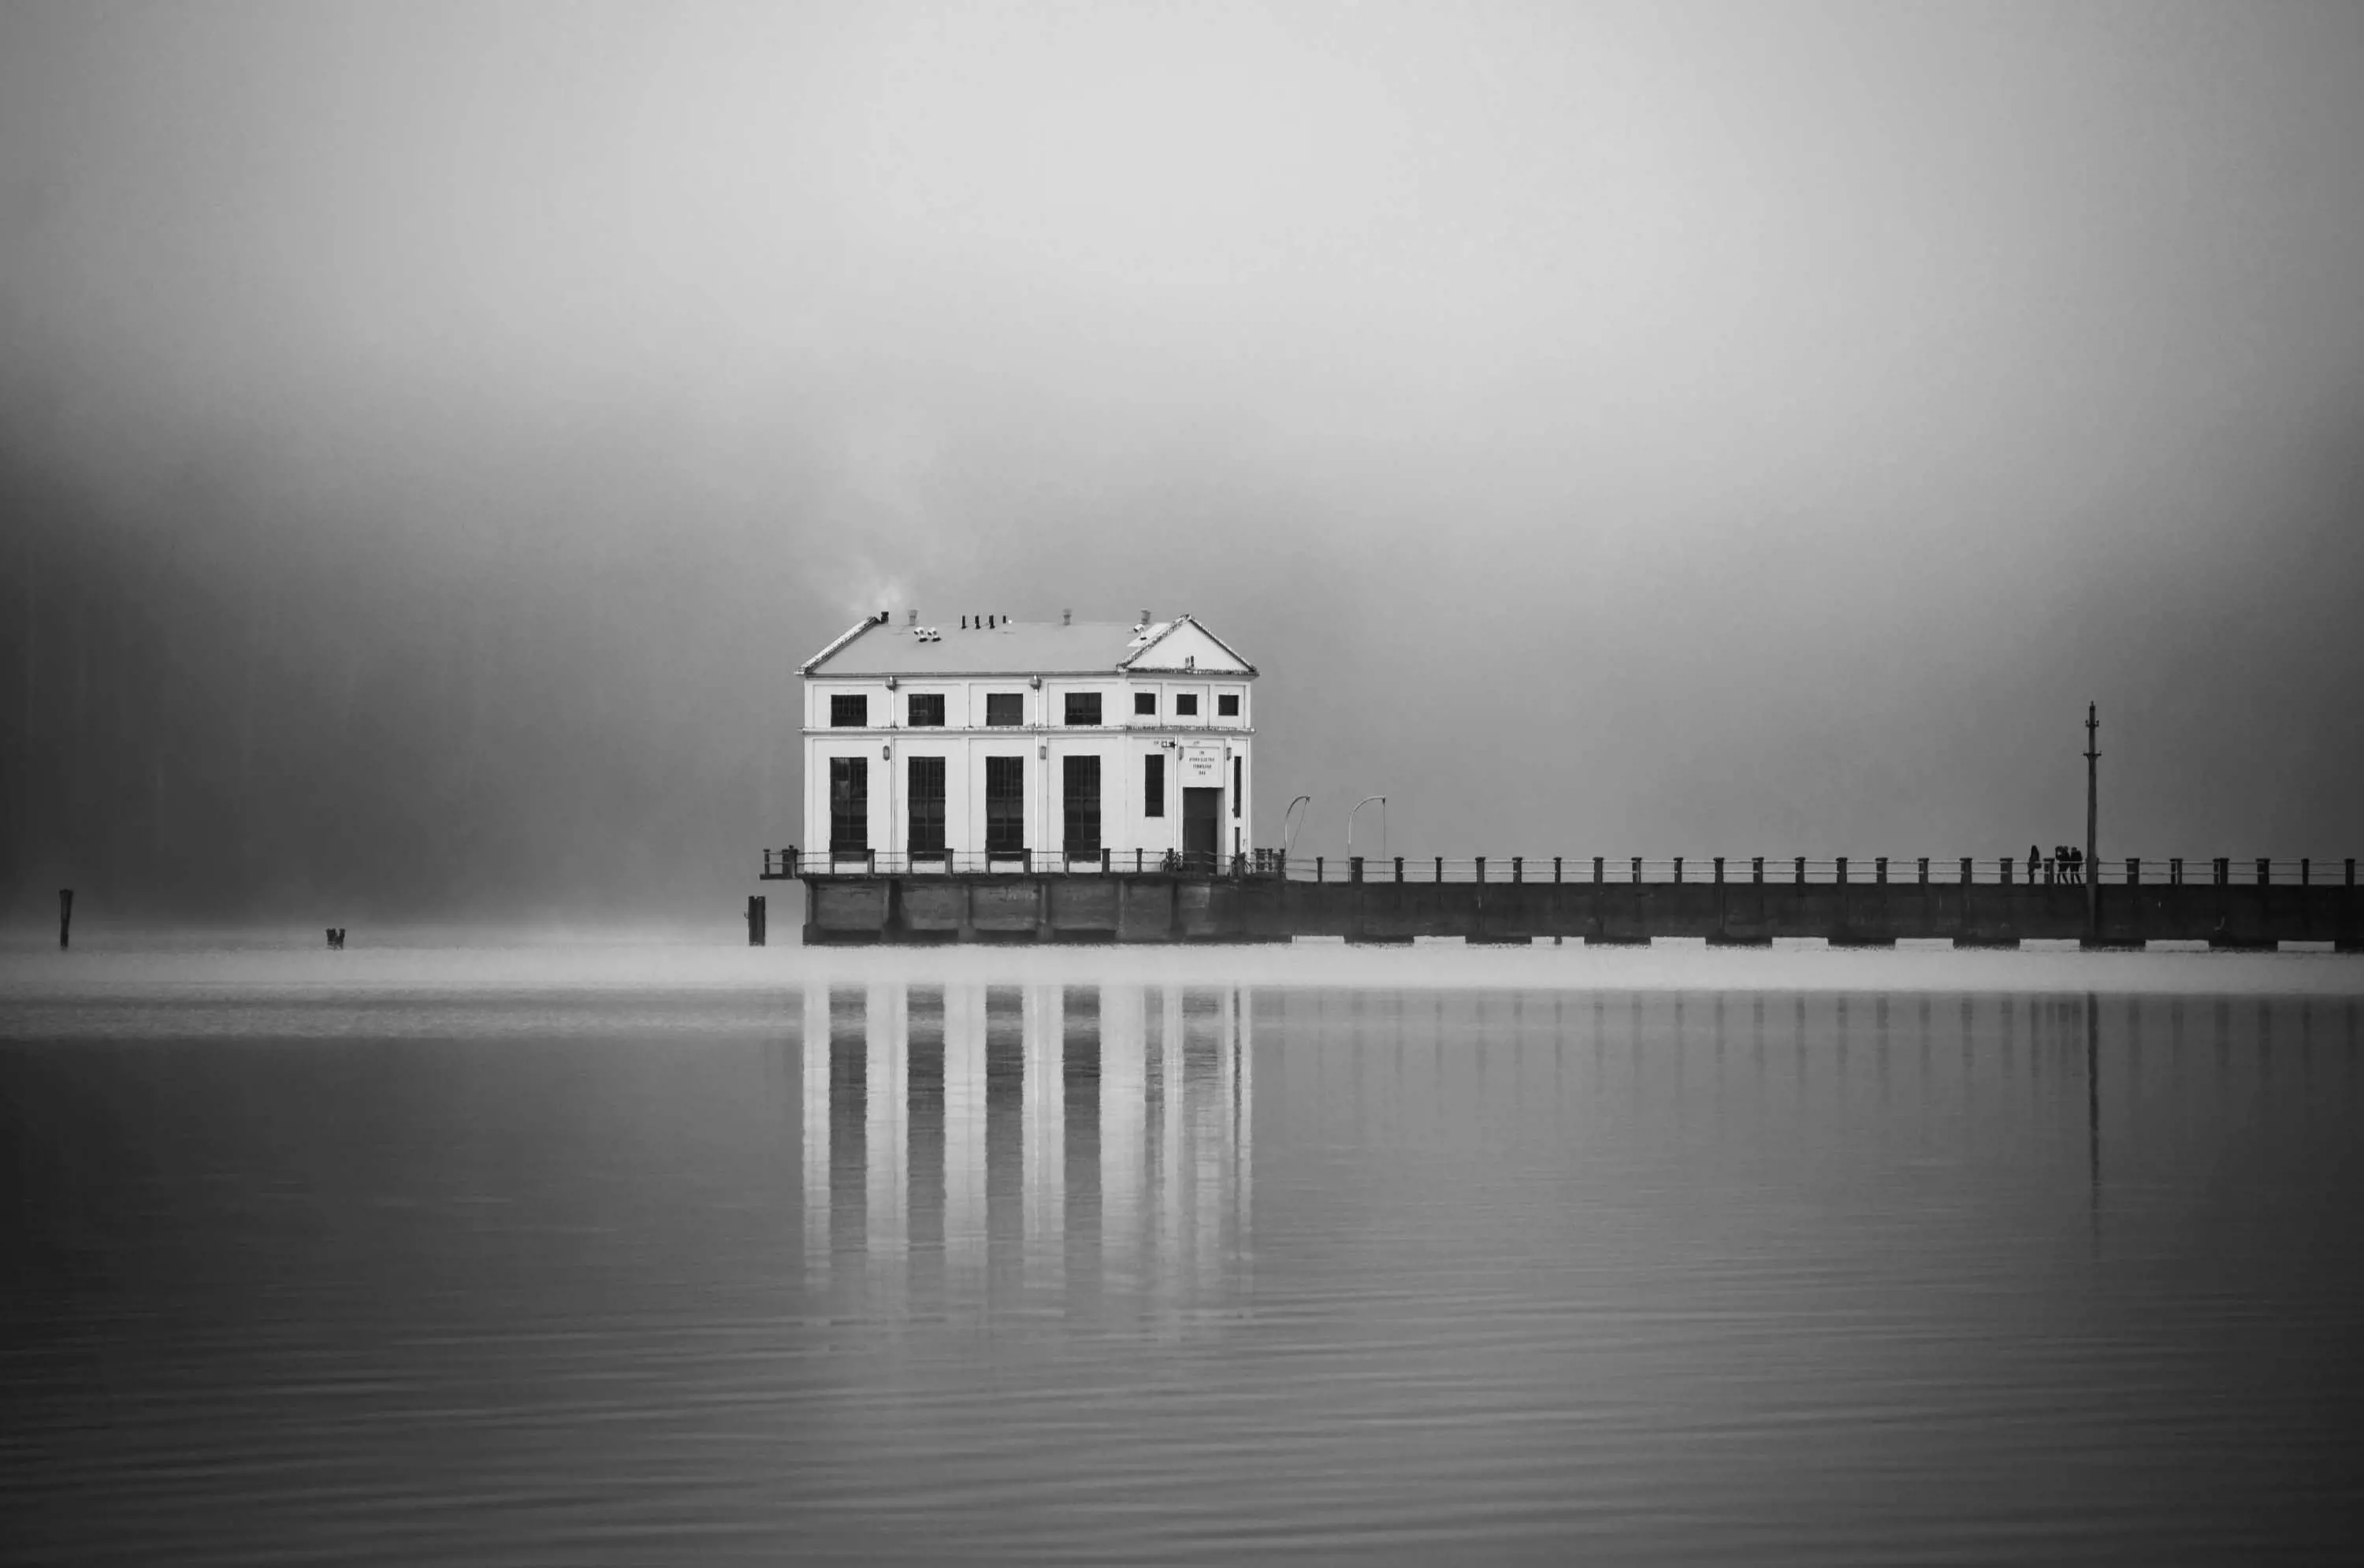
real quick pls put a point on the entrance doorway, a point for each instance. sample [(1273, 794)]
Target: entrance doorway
[(1202, 820)]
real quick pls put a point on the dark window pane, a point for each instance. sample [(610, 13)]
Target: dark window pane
[(1005, 805), (1235, 785), (1152, 784), (1144, 702), (1007, 709), (849, 804), (926, 710), (926, 805), (1228, 706), (1079, 797), (1083, 707), (1186, 702), (849, 711)]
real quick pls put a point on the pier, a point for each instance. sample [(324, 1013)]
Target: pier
[(1602, 900)]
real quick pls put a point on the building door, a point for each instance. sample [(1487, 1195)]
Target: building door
[(849, 806), (1202, 818), (1005, 805)]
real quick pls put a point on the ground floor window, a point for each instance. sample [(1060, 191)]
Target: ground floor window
[(1080, 798), (1005, 805), (1152, 784), (927, 797), (849, 804)]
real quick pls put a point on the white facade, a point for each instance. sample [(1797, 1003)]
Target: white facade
[(1173, 741)]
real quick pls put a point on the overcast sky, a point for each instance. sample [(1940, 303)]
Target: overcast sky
[(434, 433)]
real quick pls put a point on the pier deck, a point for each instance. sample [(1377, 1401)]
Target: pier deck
[(858, 905)]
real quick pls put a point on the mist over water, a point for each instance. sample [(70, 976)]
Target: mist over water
[(851, 1262), (430, 438)]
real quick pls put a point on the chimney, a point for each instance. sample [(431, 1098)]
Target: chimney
[(963, 623), (1067, 618), (915, 618), (1144, 615)]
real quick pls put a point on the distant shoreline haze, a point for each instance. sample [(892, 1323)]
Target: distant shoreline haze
[(429, 441)]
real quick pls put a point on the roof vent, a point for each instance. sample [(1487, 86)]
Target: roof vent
[(914, 621), (1067, 618)]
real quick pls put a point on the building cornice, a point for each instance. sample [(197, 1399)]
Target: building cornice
[(905, 678), (877, 732)]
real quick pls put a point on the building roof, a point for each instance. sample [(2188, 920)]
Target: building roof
[(874, 647)]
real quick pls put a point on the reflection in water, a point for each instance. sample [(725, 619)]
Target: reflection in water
[(965, 1145), (1537, 1276)]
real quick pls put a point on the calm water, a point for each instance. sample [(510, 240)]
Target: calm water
[(1178, 1272)]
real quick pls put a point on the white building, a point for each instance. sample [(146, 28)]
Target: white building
[(994, 744)]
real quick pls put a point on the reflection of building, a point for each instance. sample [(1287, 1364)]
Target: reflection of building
[(1023, 747), (963, 1144)]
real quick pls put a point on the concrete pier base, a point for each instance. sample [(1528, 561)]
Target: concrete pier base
[(1127, 907)]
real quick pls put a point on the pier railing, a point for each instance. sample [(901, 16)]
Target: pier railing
[(1875, 870)]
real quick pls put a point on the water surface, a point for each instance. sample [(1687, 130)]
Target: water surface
[(910, 1264)]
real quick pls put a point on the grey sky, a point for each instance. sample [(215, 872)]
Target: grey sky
[(1616, 429)]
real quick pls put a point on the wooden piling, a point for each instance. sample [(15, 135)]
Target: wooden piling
[(65, 917)]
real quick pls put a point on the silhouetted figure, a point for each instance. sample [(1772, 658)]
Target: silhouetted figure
[(2034, 859), (2075, 866), (337, 937)]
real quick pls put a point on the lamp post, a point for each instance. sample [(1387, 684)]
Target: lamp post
[(1383, 824), (2093, 867), (1288, 830)]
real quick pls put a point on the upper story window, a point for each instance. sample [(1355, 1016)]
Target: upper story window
[(1005, 709), (1083, 707), (1145, 702), (1186, 702), (925, 710), (1227, 706), (848, 710)]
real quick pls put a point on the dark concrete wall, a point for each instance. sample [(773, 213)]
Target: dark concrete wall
[(1160, 908)]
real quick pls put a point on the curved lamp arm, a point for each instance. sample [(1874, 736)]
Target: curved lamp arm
[(1286, 830), (1350, 821)]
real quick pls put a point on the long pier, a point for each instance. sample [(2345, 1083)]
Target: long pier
[(1980, 903)]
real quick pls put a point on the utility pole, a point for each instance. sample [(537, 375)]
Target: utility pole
[(2092, 845)]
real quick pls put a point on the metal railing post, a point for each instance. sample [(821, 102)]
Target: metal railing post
[(1757, 868), (1518, 868), (2265, 871), (1801, 870), (1398, 868), (1556, 868), (1440, 868), (1598, 876), (2006, 871), (1880, 869), (1481, 868), (1317, 867), (2134, 872), (1966, 871), (1637, 868), (1678, 868), (1719, 871)]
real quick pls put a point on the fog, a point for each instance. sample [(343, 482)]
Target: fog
[(431, 435)]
